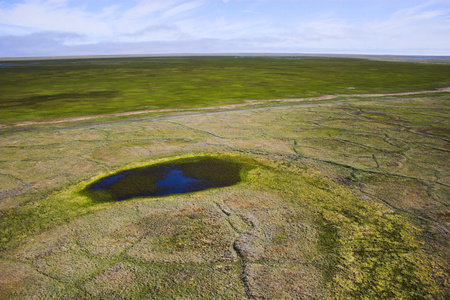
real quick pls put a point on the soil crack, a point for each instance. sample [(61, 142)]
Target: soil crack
[(375, 160), (240, 245)]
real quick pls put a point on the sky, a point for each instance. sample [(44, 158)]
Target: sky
[(120, 27)]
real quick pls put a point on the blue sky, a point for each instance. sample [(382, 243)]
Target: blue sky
[(106, 27)]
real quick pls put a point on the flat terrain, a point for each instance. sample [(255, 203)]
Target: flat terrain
[(49, 89), (348, 197)]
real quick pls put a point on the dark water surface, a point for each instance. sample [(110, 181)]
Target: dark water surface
[(175, 182), (181, 176)]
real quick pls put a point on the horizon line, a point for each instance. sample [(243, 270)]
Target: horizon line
[(260, 54)]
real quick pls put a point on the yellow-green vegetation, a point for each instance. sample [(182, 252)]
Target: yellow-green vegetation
[(339, 200)]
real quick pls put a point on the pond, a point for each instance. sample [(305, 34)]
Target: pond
[(185, 175)]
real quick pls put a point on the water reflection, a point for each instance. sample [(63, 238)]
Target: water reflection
[(176, 183)]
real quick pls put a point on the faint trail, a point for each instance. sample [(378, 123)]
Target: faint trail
[(229, 106)]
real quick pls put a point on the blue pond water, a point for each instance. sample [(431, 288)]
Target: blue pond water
[(163, 179), (105, 182), (175, 182)]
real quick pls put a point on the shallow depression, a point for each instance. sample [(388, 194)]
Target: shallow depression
[(184, 175)]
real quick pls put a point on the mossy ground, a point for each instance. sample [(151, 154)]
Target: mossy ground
[(345, 200), (342, 204)]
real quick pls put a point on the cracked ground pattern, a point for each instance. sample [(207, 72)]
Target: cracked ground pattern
[(257, 240)]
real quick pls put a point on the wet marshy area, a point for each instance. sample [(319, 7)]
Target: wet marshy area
[(178, 176)]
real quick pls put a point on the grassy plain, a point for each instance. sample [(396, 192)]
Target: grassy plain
[(78, 87), (346, 200)]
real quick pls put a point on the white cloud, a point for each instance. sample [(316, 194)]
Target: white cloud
[(408, 30), (111, 23), (181, 9), (51, 16), (414, 27), (164, 25), (406, 18)]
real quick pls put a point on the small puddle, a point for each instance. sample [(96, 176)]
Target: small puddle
[(177, 177)]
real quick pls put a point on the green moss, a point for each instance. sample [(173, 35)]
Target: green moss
[(374, 116), (369, 251)]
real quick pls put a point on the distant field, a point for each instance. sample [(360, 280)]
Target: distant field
[(46, 89)]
